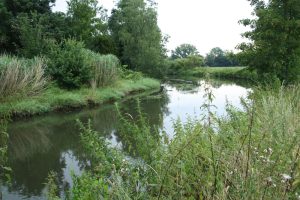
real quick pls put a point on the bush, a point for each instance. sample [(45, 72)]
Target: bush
[(21, 76), (68, 64), (181, 65), (105, 69)]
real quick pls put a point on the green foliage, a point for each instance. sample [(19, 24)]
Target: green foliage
[(182, 65), (21, 76), (225, 72), (184, 51), (32, 34), (140, 139), (137, 35), (27, 6), (10, 11), (52, 189), (68, 64), (88, 23), (249, 154), (105, 69), (56, 99), (218, 58), (275, 39)]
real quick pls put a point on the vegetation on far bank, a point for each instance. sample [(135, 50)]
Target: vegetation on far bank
[(224, 72), (74, 77), (56, 99)]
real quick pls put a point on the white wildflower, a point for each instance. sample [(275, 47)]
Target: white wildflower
[(286, 177)]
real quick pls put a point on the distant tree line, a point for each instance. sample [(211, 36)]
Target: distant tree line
[(215, 58)]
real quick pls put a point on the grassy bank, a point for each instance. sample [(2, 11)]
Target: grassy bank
[(56, 99), (250, 154), (223, 72)]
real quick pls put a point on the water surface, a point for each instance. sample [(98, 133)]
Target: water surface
[(48, 143)]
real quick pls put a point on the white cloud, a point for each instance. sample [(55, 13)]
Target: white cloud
[(203, 23)]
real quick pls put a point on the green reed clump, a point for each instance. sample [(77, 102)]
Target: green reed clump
[(21, 76), (252, 153), (105, 69)]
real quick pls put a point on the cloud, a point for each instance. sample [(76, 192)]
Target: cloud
[(203, 23)]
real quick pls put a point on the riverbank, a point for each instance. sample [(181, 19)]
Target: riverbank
[(224, 72), (55, 99)]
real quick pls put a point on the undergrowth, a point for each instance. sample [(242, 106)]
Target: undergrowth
[(252, 153)]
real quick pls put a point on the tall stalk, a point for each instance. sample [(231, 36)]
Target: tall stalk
[(209, 97)]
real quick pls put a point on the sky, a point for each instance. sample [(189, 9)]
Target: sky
[(203, 23)]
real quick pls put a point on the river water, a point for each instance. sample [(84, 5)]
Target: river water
[(50, 143)]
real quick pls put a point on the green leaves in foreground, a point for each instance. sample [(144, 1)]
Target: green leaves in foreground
[(255, 155)]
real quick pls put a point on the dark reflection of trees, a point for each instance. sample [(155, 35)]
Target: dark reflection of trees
[(152, 108), (36, 146), (217, 83), (182, 85)]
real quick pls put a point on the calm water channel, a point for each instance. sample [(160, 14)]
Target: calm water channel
[(48, 143)]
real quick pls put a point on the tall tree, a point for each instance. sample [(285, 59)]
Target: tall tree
[(5, 17), (184, 50), (9, 12), (134, 27), (275, 35), (88, 22), (28, 6)]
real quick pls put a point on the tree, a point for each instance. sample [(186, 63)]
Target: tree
[(217, 58), (5, 17), (27, 6), (274, 49), (9, 12), (137, 35), (32, 34), (184, 50), (88, 22)]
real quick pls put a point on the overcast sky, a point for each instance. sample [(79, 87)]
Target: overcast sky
[(203, 23)]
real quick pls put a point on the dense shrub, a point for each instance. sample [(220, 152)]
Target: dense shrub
[(181, 65), (21, 76), (68, 64)]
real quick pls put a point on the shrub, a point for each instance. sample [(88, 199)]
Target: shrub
[(21, 76), (68, 64), (181, 65)]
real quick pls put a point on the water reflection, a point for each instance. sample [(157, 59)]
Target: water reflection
[(51, 143)]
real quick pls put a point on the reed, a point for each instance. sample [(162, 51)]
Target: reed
[(21, 77), (105, 69)]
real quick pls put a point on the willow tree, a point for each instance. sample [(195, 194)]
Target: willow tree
[(275, 47), (139, 40)]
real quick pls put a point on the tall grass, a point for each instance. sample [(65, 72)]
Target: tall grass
[(249, 154), (20, 76), (105, 69)]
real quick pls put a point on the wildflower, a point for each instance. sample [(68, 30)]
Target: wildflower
[(269, 179), (270, 150), (285, 177)]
